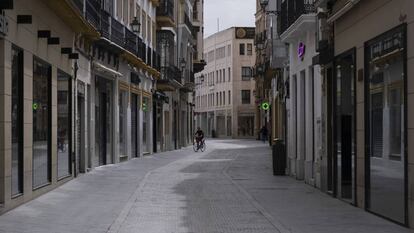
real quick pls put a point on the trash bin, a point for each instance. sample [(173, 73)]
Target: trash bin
[(279, 158)]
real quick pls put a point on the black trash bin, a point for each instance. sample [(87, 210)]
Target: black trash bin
[(279, 158)]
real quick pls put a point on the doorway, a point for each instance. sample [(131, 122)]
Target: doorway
[(134, 125), (344, 140), (104, 122)]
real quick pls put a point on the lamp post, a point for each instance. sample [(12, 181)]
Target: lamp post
[(135, 25)]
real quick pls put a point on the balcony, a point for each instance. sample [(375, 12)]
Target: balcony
[(117, 32), (131, 41), (170, 78), (105, 28), (72, 13), (297, 17), (165, 13), (156, 60), (188, 82), (92, 11)]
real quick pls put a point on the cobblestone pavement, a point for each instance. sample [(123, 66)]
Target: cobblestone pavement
[(227, 189)]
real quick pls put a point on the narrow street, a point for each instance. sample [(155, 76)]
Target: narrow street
[(229, 188)]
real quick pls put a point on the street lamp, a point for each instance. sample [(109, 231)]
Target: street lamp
[(263, 3), (135, 25)]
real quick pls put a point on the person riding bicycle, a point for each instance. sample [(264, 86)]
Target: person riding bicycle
[(199, 136)]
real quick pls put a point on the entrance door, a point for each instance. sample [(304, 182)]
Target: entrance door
[(134, 125), (103, 129), (330, 183), (344, 125), (80, 129)]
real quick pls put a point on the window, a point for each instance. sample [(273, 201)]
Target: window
[(229, 76), (17, 121), (217, 99), (41, 123), (224, 98), (249, 49), (217, 77), (125, 11), (246, 73), (221, 97), (221, 53), (245, 94), (131, 11), (224, 75), (229, 97), (144, 25), (119, 9), (386, 105), (228, 50), (242, 52), (63, 124)]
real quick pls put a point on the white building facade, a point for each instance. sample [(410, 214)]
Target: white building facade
[(225, 88)]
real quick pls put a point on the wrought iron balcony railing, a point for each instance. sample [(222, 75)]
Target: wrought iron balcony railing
[(171, 72), (166, 8), (92, 11), (117, 32), (131, 41), (292, 10), (105, 29)]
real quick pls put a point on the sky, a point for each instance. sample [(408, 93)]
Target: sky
[(229, 12)]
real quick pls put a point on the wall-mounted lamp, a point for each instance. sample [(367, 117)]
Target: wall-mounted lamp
[(135, 25)]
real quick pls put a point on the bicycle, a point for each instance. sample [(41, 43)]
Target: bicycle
[(201, 146)]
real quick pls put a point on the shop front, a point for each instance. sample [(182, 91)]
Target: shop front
[(386, 130)]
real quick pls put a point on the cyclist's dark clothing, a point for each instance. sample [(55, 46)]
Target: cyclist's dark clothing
[(199, 135)]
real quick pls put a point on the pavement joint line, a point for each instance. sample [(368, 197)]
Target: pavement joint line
[(125, 212), (275, 223)]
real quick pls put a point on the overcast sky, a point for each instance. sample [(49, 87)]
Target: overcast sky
[(230, 12)]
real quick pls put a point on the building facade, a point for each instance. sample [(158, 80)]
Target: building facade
[(368, 81), (82, 87), (225, 88), (347, 90), (269, 71)]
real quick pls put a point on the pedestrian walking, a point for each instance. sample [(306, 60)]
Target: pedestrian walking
[(263, 133)]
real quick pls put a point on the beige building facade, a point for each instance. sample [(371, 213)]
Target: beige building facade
[(225, 88), (367, 80)]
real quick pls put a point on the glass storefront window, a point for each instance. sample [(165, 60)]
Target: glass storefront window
[(41, 122), (17, 121), (63, 124), (386, 111)]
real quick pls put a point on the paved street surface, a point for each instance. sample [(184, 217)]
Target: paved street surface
[(229, 188)]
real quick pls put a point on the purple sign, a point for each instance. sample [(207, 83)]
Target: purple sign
[(301, 50)]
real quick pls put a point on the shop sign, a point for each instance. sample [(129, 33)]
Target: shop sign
[(301, 50), (4, 25)]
